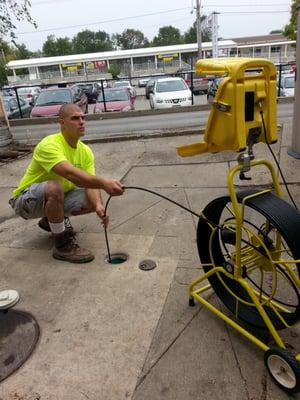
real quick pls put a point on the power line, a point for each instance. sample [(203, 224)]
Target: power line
[(246, 5), (103, 22), (41, 3), (254, 12), (151, 14)]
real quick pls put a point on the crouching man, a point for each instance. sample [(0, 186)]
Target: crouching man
[(60, 181)]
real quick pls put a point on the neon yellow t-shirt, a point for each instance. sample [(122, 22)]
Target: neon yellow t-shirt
[(50, 151)]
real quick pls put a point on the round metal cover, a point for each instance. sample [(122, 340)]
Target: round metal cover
[(147, 265), (19, 333)]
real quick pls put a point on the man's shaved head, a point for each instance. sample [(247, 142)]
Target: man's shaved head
[(67, 109), (72, 122)]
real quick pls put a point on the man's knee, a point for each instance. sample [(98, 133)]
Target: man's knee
[(86, 208), (54, 191)]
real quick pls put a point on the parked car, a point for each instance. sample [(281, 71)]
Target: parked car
[(116, 99), (200, 84), (91, 89), (170, 92), (287, 85), (212, 89), (49, 101), (7, 91), (12, 108), (149, 87), (288, 68), (142, 82), (125, 84), (29, 93), (150, 84)]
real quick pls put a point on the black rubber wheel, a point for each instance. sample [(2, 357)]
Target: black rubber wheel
[(283, 368), (270, 233), (191, 302)]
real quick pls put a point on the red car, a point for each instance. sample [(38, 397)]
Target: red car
[(49, 101), (116, 99)]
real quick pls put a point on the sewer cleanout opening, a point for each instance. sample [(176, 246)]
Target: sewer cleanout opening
[(118, 258)]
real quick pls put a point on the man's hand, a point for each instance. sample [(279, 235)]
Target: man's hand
[(113, 188), (100, 211)]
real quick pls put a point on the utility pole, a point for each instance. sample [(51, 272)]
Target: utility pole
[(294, 150), (199, 38), (214, 28)]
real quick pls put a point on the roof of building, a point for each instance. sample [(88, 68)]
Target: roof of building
[(255, 41), (274, 37), (117, 54)]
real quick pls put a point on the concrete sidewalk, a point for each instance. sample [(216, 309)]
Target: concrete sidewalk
[(114, 332)]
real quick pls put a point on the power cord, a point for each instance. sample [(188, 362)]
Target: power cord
[(276, 161)]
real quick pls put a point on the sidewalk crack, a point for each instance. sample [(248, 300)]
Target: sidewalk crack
[(144, 376), (238, 364)]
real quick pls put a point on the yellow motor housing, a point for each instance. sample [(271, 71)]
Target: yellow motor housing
[(247, 90)]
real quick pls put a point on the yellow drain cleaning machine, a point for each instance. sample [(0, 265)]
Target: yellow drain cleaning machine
[(248, 241)]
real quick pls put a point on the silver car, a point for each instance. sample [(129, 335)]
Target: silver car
[(29, 93)]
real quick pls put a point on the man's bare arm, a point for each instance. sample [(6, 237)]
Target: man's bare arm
[(95, 198), (84, 179)]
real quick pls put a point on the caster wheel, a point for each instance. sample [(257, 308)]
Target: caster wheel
[(284, 369), (191, 302)]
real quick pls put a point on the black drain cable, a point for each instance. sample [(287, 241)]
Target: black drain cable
[(188, 209), (156, 194), (214, 224), (201, 215), (276, 161)]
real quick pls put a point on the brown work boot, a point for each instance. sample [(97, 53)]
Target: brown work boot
[(66, 249), (44, 224)]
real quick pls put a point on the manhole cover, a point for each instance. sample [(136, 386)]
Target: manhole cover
[(147, 265), (19, 333)]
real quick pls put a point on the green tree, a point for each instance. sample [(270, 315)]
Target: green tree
[(57, 46), (190, 36), (114, 69), (90, 42), (64, 46), (130, 39), (3, 73), (49, 46), (14, 10), (167, 35), (21, 52), (6, 54), (291, 28)]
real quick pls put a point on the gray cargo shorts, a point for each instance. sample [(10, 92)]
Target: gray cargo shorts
[(30, 203)]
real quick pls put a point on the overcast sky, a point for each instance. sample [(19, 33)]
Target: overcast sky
[(67, 17)]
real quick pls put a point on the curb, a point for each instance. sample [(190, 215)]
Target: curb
[(114, 115), (137, 136)]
